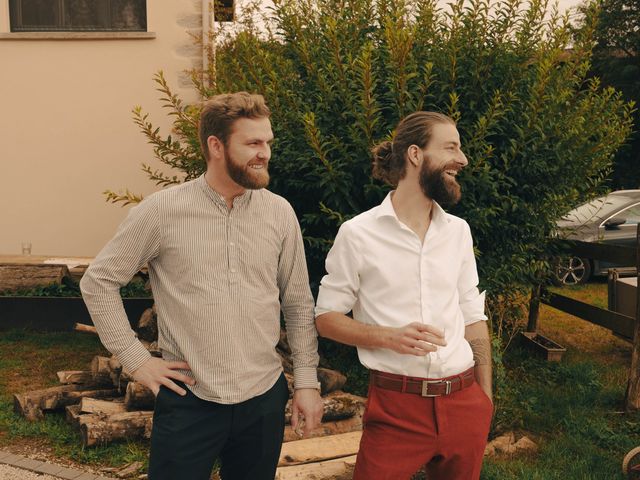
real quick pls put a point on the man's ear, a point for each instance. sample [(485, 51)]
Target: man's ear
[(414, 155), (215, 146)]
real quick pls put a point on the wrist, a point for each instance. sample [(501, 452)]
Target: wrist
[(317, 387)]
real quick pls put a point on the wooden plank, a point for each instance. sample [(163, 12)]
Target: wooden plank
[(340, 468), (602, 251), (618, 323), (319, 449)]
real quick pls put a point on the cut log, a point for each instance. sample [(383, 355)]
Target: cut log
[(139, 397), (14, 276), (352, 424), (100, 370), (337, 406), (102, 429), (148, 326), (319, 449), (106, 407), (338, 469), (84, 328), (330, 380), (73, 415), (32, 404), (118, 376), (57, 401), (75, 377)]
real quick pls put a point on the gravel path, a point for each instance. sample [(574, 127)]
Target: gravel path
[(11, 473)]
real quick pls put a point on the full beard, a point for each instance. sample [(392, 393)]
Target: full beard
[(245, 176), (439, 186)]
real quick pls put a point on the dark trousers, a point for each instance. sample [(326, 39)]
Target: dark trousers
[(189, 434)]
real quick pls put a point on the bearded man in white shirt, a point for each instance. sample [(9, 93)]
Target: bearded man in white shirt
[(407, 272)]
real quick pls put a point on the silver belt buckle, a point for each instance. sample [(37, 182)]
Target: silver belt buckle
[(425, 388)]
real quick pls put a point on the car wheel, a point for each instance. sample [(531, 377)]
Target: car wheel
[(631, 464), (572, 271)]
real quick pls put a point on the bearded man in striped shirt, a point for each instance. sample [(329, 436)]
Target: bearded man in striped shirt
[(225, 258)]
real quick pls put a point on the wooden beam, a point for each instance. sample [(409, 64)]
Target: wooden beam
[(618, 323), (318, 449), (632, 395), (330, 469)]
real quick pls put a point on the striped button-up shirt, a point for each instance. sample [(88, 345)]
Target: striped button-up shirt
[(220, 278)]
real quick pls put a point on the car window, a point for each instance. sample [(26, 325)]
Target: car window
[(595, 210), (630, 216)]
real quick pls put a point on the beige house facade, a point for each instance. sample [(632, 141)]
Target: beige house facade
[(66, 129)]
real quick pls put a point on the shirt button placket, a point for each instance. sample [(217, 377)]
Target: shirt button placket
[(232, 253)]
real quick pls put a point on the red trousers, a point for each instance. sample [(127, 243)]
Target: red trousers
[(404, 431)]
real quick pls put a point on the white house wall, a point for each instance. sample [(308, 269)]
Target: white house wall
[(66, 132)]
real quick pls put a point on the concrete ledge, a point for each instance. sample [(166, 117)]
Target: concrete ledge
[(37, 466), (78, 36)]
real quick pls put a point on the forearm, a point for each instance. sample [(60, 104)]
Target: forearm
[(109, 316), (344, 329), (303, 340), (477, 334)]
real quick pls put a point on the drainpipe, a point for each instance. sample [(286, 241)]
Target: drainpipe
[(208, 26)]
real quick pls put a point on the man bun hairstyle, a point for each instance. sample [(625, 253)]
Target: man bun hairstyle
[(221, 111), (390, 157)]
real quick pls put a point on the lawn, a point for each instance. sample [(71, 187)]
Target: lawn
[(572, 409), (29, 361)]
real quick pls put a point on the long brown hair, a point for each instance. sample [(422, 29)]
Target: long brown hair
[(389, 157)]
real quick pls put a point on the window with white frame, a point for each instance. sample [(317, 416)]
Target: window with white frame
[(78, 15)]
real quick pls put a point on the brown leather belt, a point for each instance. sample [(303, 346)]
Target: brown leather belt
[(423, 386)]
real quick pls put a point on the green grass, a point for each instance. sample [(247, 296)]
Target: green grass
[(29, 361), (572, 409)]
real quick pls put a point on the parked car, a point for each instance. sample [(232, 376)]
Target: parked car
[(613, 219)]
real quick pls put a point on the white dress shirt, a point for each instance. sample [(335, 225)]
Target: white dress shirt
[(380, 270)]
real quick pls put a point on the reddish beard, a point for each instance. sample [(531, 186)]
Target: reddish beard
[(244, 176), (439, 186)]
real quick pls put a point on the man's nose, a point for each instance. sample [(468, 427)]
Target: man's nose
[(264, 153), (462, 159)]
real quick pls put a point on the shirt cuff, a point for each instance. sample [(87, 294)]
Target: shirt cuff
[(305, 377), (133, 356)]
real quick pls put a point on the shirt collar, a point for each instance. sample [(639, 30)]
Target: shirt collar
[(438, 216), (238, 201)]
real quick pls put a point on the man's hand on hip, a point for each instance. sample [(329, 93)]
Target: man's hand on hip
[(155, 372), (415, 339), (307, 405)]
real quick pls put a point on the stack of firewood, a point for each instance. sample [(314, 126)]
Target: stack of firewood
[(106, 404)]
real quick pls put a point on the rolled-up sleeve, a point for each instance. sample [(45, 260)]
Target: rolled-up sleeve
[(339, 287), (135, 243), (471, 300)]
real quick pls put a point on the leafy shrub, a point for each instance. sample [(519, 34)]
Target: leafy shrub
[(338, 76)]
